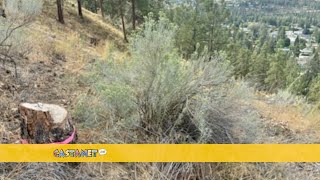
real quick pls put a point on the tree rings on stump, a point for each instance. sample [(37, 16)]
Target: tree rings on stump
[(45, 123)]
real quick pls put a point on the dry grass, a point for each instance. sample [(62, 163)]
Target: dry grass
[(292, 117), (106, 26), (51, 41), (72, 40), (58, 51), (92, 26), (288, 115)]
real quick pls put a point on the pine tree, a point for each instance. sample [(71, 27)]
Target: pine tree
[(281, 43), (314, 65), (307, 79), (200, 22), (291, 72), (60, 11), (263, 36), (242, 65), (275, 75), (316, 34), (314, 92), (259, 68), (296, 47), (287, 42), (121, 11), (101, 8), (282, 33), (80, 9)]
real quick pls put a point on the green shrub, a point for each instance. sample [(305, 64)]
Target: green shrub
[(164, 97), (13, 41), (23, 9)]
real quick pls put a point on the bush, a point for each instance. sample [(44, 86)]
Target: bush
[(23, 10), (156, 96), (13, 44), (157, 90)]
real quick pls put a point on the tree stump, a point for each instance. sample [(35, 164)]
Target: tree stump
[(46, 123)]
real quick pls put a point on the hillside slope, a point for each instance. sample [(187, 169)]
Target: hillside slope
[(48, 73), (58, 53), (52, 71)]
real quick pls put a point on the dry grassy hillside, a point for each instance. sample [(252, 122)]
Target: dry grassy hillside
[(52, 71), (57, 55), (56, 52)]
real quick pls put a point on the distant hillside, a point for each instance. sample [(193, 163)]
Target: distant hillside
[(314, 4), (275, 11)]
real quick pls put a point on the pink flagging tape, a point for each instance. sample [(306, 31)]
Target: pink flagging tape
[(23, 141), (67, 141)]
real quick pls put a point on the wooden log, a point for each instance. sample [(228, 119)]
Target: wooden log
[(45, 123)]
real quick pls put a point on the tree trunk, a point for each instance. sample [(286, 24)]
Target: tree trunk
[(101, 8), (46, 123), (80, 9), (60, 11), (133, 15), (95, 6), (123, 25), (194, 35)]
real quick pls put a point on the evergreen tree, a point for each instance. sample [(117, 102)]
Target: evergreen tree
[(316, 35), (60, 11), (296, 47), (259, 68), (282, 33), (200, 22), (280, 43), (242, 65), (311, 72), (302, 43), (275, 75), (314, 65), (268, 47), (287, 42), (80, 9), (91, 5), (314, 93), (263, 36), (291, 71)]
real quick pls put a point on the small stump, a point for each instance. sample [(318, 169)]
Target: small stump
[(45, 123)]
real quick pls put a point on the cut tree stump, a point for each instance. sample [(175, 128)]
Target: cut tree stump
[(45, 123)]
